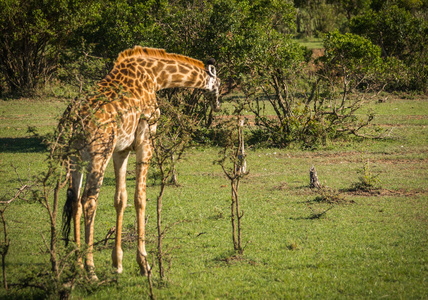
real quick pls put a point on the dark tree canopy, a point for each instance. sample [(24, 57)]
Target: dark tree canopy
[(40, 38)]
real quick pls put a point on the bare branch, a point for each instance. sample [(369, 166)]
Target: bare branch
[(17, 194)]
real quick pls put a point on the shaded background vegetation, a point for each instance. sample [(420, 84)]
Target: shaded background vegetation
[(63, 47)]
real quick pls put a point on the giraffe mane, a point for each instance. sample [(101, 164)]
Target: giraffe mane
[(157, 53)]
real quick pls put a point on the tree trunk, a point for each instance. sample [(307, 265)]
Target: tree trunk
[(313, 177)]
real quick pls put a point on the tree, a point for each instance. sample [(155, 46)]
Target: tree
[(32, 36), (122, 24), (233, 154), (393, 29), (311, 111), (399, 35), (351, 63), (351, 7), (273, 69), (173, 136)]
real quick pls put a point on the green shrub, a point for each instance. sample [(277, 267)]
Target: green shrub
[(368, 180), (402, 37), (351, 57), (310, 112), (33, 35)]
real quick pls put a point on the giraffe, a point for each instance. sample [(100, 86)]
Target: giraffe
[(122, 122)]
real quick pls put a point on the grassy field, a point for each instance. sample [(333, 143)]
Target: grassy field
[(374, 245), (311, 43)]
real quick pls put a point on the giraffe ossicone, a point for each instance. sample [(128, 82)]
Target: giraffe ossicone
[(120, 118)]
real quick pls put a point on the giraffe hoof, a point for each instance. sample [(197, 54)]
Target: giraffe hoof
[(91, 274), (144, 271)]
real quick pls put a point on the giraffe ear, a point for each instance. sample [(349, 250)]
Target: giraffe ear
[(211, 71), (211, 61)]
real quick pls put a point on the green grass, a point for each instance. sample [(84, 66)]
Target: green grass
[(311, 43), (374, 248)]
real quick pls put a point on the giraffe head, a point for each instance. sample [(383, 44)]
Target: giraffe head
[(213, 85)]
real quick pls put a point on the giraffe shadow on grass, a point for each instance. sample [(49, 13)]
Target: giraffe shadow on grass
[(22, 145)]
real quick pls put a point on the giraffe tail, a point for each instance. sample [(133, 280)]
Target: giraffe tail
[(65, 129), (67, 214)]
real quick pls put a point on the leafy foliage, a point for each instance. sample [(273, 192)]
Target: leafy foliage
[(33, 35), (394, 29), (273, 70), (350, 58), (120, 25), (311, 113), (401, 36), (36, 36), (76, 42), (368, 180)]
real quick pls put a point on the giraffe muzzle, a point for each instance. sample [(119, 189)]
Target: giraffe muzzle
[(214, 99), (215, 103), (215, 96)]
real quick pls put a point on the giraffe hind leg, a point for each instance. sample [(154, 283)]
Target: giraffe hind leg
[(94, 179)]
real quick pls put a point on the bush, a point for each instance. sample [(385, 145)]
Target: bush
[(33, 35), (401, 37), (120, 25), (351, 58), (393, 29), (272, 72), (310, 112)]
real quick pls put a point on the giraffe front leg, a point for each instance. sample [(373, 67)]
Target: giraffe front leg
[(140, 208), (143, 156), (120, 160)]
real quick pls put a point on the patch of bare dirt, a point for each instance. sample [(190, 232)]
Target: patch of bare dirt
[(317, 53), (384, 192), (237, 258), (306, 190), (417, 117), (401, 161), (282, 186)]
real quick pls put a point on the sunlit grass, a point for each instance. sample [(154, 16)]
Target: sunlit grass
[(373, 248), (311, 43)]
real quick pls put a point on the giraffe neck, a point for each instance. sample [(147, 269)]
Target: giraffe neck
[(173, 74), (144, 71)]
